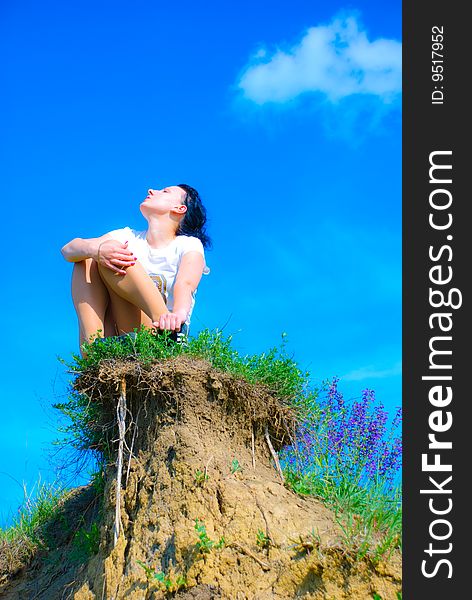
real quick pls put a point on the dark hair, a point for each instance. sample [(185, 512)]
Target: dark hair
[(195, 218)]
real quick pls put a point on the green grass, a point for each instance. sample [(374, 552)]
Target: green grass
[(204, 544), (262, 540), (370, 519), (86, 542), (26, 535), (235, 466), (164, 581), (274, 369), (201, 477)]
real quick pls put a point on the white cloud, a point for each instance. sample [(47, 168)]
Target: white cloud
[(337, 60), (371, 372)]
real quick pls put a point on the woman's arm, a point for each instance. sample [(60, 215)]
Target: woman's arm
[(187, 280), (113, 254), (79, 249)]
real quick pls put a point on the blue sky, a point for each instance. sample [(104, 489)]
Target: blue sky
[(285, 116)]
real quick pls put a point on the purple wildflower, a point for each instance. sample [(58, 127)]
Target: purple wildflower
[(348, 441)]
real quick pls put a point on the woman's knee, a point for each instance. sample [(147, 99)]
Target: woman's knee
[(88, 288)]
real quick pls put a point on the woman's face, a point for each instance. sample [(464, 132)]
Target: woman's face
[(165, 200)]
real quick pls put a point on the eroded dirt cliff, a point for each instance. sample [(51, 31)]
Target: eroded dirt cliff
[(186, 424)]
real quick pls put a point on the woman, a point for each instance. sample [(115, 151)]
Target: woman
[(128, 278)]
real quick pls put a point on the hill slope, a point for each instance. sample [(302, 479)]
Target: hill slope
[(185, 425)]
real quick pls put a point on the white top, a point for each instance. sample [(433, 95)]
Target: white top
[(161, 264)]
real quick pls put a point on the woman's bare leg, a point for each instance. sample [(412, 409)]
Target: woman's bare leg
[(90, 297), (110, 321), (127, 316), (137, 288)]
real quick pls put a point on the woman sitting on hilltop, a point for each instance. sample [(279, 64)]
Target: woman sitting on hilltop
[(127, 278)]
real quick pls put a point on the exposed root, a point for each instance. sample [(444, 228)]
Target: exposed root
[(244, 550), (121, 415), (274, 454)]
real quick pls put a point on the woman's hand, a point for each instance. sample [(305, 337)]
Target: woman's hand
[(115, 256), (172, 321)]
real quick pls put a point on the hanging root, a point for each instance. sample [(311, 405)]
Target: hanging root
[(121, 414), (206, 468), (274, 454), (252, 447), (130, 450)]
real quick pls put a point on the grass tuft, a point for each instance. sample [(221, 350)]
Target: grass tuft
[(86, 542), (274, 368), (27, 534)]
